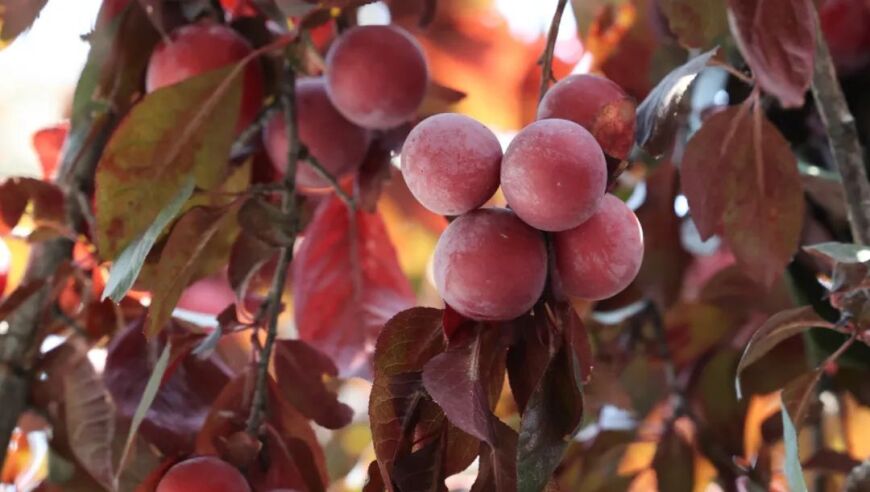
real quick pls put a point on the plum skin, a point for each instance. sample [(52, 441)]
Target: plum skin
[(198, 48), (597, 104), (451, 163), (554, 174), (601, 257), (338, 145), (203, 474), (490, 266), (376, 76)]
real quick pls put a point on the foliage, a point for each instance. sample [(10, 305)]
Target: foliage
[(244, 317)]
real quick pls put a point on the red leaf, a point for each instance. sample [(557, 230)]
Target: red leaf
[(400, 410), (48, 143), (777, 38), (300, 370), (775, 330), (741, 180), (47, 199), (465, 381), (347, 284), (553, 402), (185, 395)]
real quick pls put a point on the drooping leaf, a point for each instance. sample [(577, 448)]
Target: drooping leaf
[(183, 398), (793, 473), (465, 382), (347, 284), (779, 327), (90, 419), (529, 357), (674, 463), (696, 23), (182, 257), (300, 371), (16, 16), (179, 131), (777, 39), (129, 263), (399, 407), (148, 395), (550, 420), (658, 114), (741, 180), (458, 380)]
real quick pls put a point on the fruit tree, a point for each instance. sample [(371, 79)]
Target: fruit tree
[(401, 246)]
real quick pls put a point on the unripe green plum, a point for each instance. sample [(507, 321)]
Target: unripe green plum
[(451, 163), (337, 144), (376, 76), (602, 256), (194, 49), (598, 105), (489, 265), (203, 474), (553, 174)]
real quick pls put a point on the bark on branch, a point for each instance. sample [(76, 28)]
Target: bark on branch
[(842, 138), (19, 345)]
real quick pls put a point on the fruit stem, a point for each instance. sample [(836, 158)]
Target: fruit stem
[(288, 206), (546, 60), (843, 139), (328, 177)]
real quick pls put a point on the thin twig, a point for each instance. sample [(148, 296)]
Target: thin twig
[(733, 71), (547, 57), (843, 139), (288, 206), (328, 177), (253, 130)]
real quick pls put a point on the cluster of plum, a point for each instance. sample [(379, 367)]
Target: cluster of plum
[(375, 79), (491, 263)]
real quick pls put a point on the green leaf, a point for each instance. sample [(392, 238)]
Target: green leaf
[(793, 473), (145, 403), (674, 463), (779, 327), (182, 257), (696, 23), (175, 132), (128, 265)]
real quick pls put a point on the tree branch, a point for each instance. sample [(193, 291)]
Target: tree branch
[(288, 206), (19, 345), (546, 60), (842, 138)]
